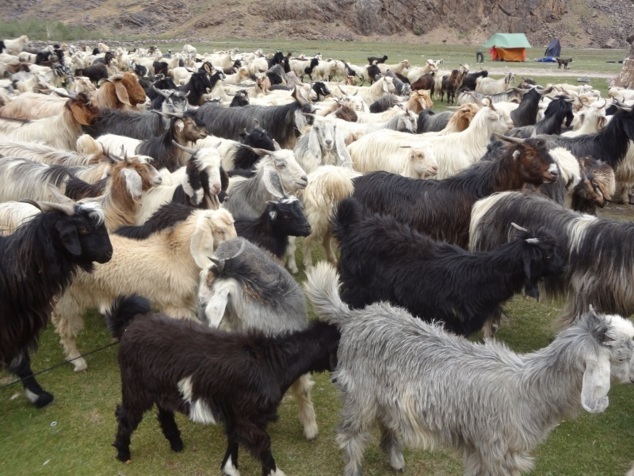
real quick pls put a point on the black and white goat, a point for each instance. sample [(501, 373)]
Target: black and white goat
[(382, 259), (558, 113), (281, 218), (38, 262), (237, 379)]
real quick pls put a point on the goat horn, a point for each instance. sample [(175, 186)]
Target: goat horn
[(220, 264), (190, 150), (161, 92), (58, 195), (65, 94), (514, 140), (517, 227), (66, 208), (239, 252), (532, 241), (546, 91)]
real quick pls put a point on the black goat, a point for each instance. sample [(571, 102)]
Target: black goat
[(200, 83), (106, 59), (138, 125), (382, 259), (270, 231), (95, 73), (377, 59), (38, 262), (384, 103), (257, 138), (469, 80), (429, 121), (240, 99), (526, 112), (234, 378), (374, 73), (309, 69), (558, 111), (321, 90), (441, 208), (279, 121)]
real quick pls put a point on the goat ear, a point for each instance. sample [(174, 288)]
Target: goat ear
[(202, 242), (122, 93), (273, 185), (596, 384), (69, 236), (80, 114), (531, 288), (133, 182), (179, 125)]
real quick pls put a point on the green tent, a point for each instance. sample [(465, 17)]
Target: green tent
[(508, 46)]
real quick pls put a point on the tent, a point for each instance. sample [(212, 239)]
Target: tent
[(508, 46), (554, 49)]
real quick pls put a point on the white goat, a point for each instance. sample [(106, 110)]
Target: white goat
[(490, 86), (16, 45), (322, 145), (164, 266), (369, 94), (428, 388)]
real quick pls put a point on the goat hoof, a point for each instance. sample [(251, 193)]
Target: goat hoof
[(177, 446), (311, 432), (43, 399), (79, 365), (124, 456)]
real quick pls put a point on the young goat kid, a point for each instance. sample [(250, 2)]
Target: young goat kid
[(213, 376)]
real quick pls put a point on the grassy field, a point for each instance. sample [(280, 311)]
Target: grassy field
[(73, 435)]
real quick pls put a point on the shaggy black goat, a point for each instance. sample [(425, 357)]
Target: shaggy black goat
[(237, 379), (279, 121), (240, 99), (321, 90), (37, 263), (200, 83), (257, 138), (382, 259), (441, 208), (429, 121), (281, 218), (469, 80), (138, 125), (95, 73), (377, 59), (384, 103), (526, 112), (558, 111)]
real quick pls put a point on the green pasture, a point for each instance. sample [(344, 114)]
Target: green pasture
[(73, 435)]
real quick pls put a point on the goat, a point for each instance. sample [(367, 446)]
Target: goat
[(428, 388), (426, 82), (377, 59), (486, 85), (558, 111), (239, 272), (281, 218), (62, 240), (450, 84), (120, 91), (14, 46), (279, 121), (162, 259), (277, 174), (137, 125), (60, 131), (322, 145), (470, 79), (200, 83), (441, 208), (420, 164), (382, 259), (170, 101), (258, 368), (583, 237)]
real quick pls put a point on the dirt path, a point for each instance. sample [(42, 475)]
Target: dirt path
[(541, 72)]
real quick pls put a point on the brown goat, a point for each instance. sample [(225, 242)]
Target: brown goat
[(419, 100), (121, 91), (425, 82)]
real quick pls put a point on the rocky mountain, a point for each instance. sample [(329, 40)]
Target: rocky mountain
[(578, 23)]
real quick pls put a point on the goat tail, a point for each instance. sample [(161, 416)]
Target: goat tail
[(322, 288), (349, 211), (123, 310)]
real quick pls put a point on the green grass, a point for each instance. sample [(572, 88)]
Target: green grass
[(73, 435), (46, 31)]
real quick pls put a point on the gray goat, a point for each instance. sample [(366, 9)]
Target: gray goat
[(322, 145), (428, 388), (245, 288), (277, 174)]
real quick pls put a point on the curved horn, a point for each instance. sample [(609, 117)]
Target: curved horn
[(59, 196), (513, 140), (66, 208), (190, 150), (161, 92), (517, 227), (220, 264), (239, 252), (65, 94)]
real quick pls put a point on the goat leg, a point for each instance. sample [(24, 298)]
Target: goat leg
[(21, 366), (170, 429), (229, 465)]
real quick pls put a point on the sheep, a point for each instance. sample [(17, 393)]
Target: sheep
[(486, 85), (279, 121), (281, 218), (322, 145), (163, 262), (428, 388), (60, 131), (382, 259), (584, 238), (276, 174), (441, 208), (39, 261), (240, 380)]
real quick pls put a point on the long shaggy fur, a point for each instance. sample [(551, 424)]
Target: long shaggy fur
[(427, 388)]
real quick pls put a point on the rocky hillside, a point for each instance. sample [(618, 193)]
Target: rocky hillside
[(578, 23)]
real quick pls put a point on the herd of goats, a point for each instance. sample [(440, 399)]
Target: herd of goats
[(167, 192)]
